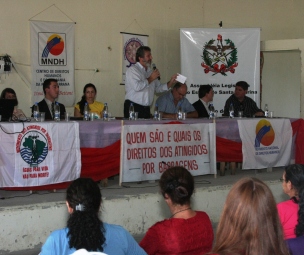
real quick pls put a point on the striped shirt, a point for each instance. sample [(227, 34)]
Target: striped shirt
[(248, 106)]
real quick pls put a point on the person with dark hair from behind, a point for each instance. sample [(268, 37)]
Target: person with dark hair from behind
[(292, 182), (89, 95), (187, 231), (241, 102), (9, 93), (84, 228), (296, 245), (51, 92), (142, 82), (249, 224), (205, 96)]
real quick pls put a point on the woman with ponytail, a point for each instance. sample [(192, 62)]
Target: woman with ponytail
[(292, 182), (84, 228), (88, 97), (187, 231), (292, 216)]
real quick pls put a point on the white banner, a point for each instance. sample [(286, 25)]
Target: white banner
[(52, 56), (148, 150), (265, 142), (220, 58), (131, 42), (40, 154)]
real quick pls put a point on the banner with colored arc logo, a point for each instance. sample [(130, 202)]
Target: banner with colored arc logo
[(265, 142), (52, 57)]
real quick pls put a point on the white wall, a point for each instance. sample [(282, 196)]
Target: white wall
[(281, 84), (99, 23)]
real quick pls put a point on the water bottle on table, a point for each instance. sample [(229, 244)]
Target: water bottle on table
[(57, 112), (156, 112), (179, 114), (36, 112), (86, 112), (106, 112), (211, 111), (266, 112), (231, 111), (131, 112)]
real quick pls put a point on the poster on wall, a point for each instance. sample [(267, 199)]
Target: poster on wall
[(131, 42), (221, 58), (52, 56)]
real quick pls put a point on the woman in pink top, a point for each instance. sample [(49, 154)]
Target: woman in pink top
[(293, 180), (249, 224)]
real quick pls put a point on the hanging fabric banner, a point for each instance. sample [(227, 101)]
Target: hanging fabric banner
[(220, 58), (131, 42), (148, 150), (265, 142), (52, 56), (37, 156)]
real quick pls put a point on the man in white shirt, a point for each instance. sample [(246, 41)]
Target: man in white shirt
[(141, 84), (205, 95)]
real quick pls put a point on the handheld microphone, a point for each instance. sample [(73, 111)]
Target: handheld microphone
[(154, 68)]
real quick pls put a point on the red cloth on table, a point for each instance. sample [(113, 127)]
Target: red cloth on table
[(298, 128), (100, 163), (228, 151), (180, 236)]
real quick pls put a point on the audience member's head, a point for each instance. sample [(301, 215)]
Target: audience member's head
[(51, 89), (206, 91), (293, 186), (249, 223), (177, 183), (293, 179), (9, 93), (85, 229)]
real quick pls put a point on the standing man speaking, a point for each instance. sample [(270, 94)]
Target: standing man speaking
[(141, 84)]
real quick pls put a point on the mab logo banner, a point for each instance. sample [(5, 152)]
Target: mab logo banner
[(52, 49)]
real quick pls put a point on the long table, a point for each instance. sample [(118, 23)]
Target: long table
[(100, 145)]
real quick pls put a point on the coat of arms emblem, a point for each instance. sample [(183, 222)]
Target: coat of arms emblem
[(219, 58)]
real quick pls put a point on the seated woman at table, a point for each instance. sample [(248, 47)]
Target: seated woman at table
[(89, 95), (84, 228), (9, 93), (187, 231), (292, 182), (249, 224)]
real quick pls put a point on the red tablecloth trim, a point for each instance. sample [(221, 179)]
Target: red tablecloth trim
[(298, 129), (100, 163), (228, 151)]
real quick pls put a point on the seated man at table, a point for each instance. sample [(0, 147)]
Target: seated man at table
[(205, 95), (241, 102), (51, 92), (169, 102)]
